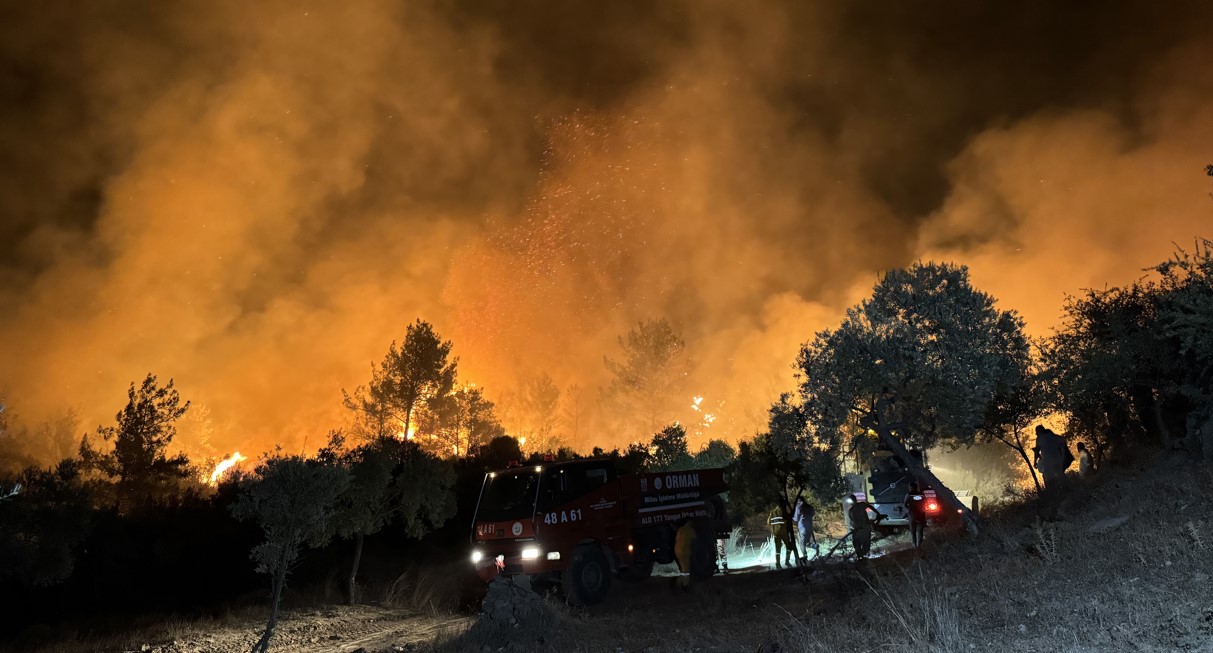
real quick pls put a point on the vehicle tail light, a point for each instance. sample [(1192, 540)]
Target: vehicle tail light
[(932, 507)]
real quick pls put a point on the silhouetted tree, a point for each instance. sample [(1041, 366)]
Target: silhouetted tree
[(648, 386), (138, 461), (46, 515), (632, 460), (367, 503), (916, 363), (409, 377), (752, 487), (500, 452), (1017, 403), (777, 467), (294, 501), (668, 450), (716, 453), (458, 423), (386, 477), (1186, 318), (422, 485), (1110, 368)]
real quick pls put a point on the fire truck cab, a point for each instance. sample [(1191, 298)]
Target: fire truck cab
[(580, 523)]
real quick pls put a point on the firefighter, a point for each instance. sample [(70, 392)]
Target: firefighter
[(861, 525), (916, 506), (803, 517), (1052, 457), (715, 513), (684, 546), (779, 531)]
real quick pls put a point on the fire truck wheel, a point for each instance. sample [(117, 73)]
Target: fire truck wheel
[(588, 577)]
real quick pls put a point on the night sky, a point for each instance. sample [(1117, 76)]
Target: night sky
[(256, 198)]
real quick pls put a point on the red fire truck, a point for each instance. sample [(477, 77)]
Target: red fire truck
[(580, 523)]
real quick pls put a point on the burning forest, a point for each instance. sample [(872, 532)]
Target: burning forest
[(288, 280)]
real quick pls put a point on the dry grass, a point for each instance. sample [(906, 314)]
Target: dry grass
[(421, 590)]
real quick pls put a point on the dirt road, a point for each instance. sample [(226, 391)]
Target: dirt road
[(339, 629)]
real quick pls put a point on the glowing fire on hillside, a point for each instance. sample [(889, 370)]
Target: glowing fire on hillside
[(225, 465)]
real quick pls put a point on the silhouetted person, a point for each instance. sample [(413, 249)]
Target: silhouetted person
[(779, 531), (804, 525), (1052, 456), (916, 506), (861, 525)]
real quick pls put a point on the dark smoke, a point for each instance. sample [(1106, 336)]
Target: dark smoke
[(256, 198)]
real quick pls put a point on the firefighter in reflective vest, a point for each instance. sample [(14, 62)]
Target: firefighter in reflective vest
[(779, 531)]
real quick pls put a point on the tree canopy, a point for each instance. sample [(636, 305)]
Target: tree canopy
[(409, 377), (1131, 363), (668, 450), (139, 461), (916, 364), (923, 356), (294, 501)]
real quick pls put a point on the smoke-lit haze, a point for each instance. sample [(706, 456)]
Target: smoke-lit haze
[(255, 199)]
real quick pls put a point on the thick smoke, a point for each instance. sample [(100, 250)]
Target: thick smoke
[(255, 199)]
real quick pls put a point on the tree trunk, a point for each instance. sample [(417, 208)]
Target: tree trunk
[(941, 491), (408, 421), (1023, 453), (263, 644), (354, 567)]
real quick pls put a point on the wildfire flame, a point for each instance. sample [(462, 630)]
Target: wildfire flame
[(412, 432), (225, 465)]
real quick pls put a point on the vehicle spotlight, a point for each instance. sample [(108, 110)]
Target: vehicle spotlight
[(530, 553), (477, 556)]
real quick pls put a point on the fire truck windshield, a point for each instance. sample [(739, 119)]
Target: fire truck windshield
[(508, 495)]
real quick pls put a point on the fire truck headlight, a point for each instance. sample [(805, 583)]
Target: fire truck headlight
[(477, 556), (553, 555), (530, 553)]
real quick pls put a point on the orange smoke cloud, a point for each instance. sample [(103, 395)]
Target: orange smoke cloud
[(255, 200)]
